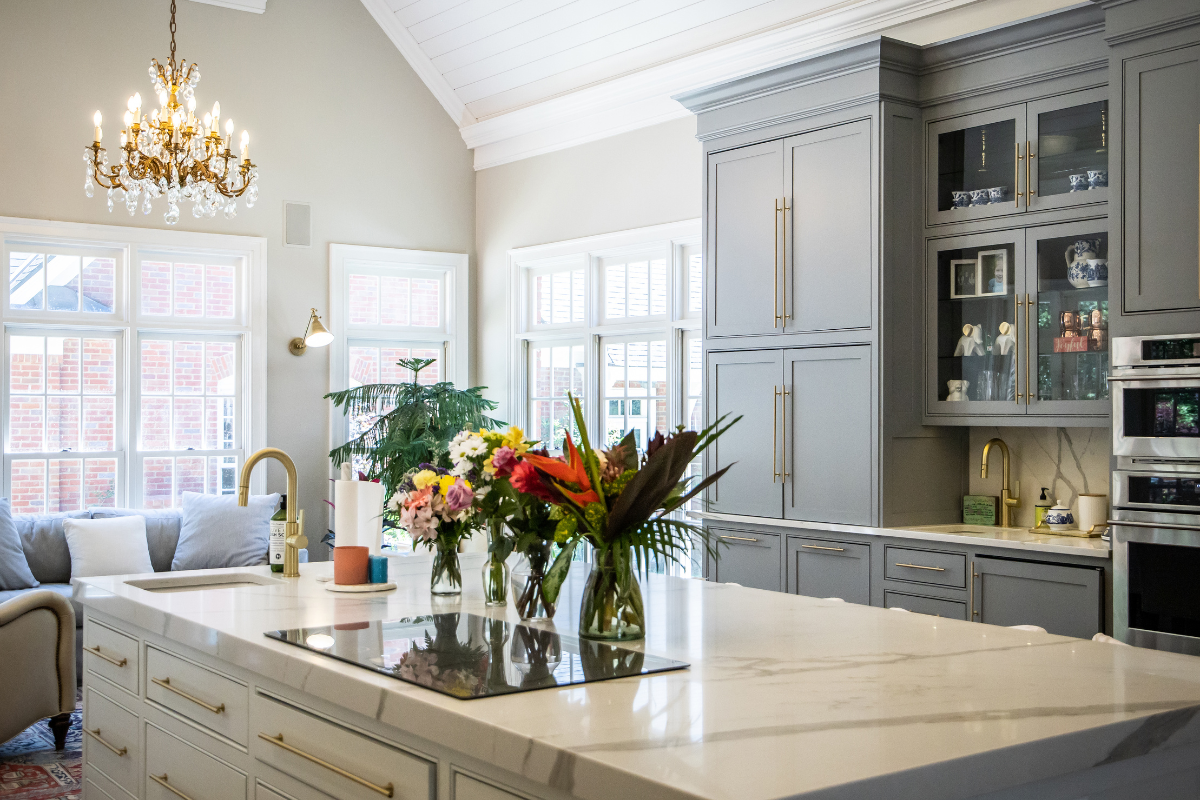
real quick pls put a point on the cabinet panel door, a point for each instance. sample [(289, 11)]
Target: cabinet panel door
[(745, 187), (830, 246), (1161, 124), (829, 431), (748, 558), (1069, 142), (822, 568), (1066, 600), (748, 384), (968, 157)]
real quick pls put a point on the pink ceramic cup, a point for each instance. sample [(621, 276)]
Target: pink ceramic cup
[(350, 565)]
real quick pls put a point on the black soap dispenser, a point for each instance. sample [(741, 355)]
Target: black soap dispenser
[(1040, 508)]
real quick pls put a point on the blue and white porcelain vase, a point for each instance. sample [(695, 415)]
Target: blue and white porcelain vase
[(1077, 256)]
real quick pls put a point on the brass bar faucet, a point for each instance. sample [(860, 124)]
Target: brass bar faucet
[(294, 527), (1008, 500)]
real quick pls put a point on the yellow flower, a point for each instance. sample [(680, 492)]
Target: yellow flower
[(515, 438), (445, 483), (424, 478)]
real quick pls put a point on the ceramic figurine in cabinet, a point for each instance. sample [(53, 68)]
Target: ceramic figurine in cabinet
[(971, 342), (958, 391), (1005, 341), (1077, 256)]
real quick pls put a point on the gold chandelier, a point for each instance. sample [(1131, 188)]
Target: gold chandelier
[(174, 154)]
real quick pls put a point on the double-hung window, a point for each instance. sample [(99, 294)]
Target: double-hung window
[(613, 321), (133, 368)]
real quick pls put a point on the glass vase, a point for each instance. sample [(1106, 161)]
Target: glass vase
[(527, 579), (611, 608), (446, 577), (495, 569)]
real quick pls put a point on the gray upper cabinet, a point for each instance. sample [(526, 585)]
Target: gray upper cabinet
[(747, 384), (744, 227), (829, 430), (829, 568), (1067, 154), (1161, 126), (828, 280), (1066, 600)]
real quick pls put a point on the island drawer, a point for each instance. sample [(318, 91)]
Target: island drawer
[(175, 768), (926, 566), (111, 655), (110, 740), (214, 701), (467, 788), (934, 606), (334, 758)]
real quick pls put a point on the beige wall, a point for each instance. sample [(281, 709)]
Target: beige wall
[(645, 177), (336, 117)]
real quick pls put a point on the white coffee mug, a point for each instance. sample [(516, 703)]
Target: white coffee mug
[(1093, 510)]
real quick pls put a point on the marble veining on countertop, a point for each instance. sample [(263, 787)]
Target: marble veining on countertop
[(787, 696), (978, 535)]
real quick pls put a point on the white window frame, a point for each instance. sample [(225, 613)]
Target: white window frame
[(452, 336), (129, 245), (672, 240)]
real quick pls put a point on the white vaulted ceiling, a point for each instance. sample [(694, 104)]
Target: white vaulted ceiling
[(522, 77)]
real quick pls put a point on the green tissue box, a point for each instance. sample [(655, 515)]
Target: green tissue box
[(980, 509)]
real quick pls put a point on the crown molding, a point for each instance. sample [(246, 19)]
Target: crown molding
[(420, 62), (253, 6)]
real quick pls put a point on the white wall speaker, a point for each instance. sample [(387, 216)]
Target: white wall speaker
[(297, 224)]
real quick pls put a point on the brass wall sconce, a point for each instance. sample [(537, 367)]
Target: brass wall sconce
[(315, 334)]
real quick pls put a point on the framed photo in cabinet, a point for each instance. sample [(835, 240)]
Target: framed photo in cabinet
[(964, 278), (993, 272)]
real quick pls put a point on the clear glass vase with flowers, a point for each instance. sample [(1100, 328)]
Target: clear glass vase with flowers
[(437, 509)]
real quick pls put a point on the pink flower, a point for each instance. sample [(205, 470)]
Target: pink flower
[(459, 496), (504, 459)]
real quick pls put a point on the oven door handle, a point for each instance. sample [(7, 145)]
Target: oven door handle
[(1120, 378), (1171, 526)]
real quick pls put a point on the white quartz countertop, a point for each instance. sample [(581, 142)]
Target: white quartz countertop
[(786, 697), (975, 535)]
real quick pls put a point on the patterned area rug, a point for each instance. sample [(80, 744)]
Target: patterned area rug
[(31, 769)]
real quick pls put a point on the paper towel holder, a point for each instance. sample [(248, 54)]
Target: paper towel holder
[(315, 334)]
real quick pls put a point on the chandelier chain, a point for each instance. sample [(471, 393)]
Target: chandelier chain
[(172, 35)]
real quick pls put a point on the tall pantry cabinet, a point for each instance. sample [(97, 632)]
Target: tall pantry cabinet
[(814, 293)]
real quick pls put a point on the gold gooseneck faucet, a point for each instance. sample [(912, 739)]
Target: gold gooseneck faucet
[(1008, 500), (294, 527)]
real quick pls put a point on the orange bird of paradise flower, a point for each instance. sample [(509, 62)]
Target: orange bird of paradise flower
[(571, 471)]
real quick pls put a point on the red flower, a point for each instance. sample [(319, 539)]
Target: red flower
[(526, 479), (504, 459), (569, 471)]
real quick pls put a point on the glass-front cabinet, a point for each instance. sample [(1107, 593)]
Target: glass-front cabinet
[(1040, 155), (1019, 323)]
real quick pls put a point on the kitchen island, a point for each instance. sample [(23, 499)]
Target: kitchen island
[(786, 696)]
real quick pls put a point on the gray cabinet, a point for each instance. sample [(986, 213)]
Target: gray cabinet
[(828, 281), (745, 217), (923, 604), (1066, 600), (747, 384), (1161, 125), (829, 433), (748, 558), (829, 568)]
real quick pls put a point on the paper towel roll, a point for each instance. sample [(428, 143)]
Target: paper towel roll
[(358, 514)]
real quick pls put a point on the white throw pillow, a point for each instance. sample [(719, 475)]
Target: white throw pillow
[(107, 546)]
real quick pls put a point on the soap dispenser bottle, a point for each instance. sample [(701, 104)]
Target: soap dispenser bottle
[(1040, 508)]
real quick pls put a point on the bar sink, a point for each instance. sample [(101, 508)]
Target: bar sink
[(196, 583)]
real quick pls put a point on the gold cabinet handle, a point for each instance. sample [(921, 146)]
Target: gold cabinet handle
[(786, 316), (1017, 350), (1017, 194), (1030, 191), (922, 566), (386, 791), (114, 661), (96, 735), (161, 780), (971, 595), (821, 547), (166, 684), (775, 433), (783, 454), (739, 538), (778, 210), (1028, 336)]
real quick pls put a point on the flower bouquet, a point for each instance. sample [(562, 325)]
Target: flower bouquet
[(437, 509), (624, 508)]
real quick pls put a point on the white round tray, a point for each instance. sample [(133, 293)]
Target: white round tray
[(359, 587)]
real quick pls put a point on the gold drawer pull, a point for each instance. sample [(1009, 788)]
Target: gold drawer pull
[(740, 538), (920, 566), (386, 791), (819, 547), (114, 661), (96, 735), (161, 780), (166, 684)]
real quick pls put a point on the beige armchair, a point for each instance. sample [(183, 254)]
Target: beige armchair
[(37, 671)]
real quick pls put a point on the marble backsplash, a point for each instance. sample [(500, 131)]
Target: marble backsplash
[(1068, 461)]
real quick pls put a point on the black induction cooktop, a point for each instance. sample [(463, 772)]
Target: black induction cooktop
[(468, 656)]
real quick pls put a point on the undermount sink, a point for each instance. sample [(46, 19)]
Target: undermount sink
[(196, 583), (968, 530)]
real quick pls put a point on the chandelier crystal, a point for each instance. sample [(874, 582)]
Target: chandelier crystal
[(173, 153)]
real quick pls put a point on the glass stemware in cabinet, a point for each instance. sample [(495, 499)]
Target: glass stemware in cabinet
[(1072, 150), (977, 166), (1072, 317), (976, 324)]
